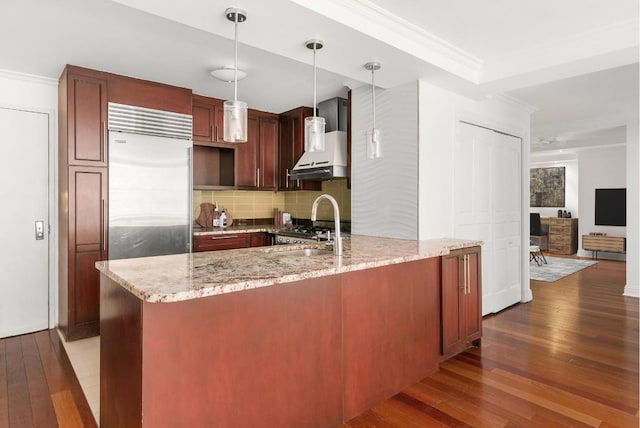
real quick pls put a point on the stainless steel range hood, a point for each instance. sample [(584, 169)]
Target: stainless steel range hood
[(331, 163)]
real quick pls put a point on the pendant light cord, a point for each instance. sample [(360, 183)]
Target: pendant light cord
[(373, 96), (315, 107), (235, 68)]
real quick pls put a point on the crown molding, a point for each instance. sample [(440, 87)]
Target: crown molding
[(381, 24), (622, 37), (32, 78), (514, 102)]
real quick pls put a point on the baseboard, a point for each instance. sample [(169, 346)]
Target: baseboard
[(631, 290)]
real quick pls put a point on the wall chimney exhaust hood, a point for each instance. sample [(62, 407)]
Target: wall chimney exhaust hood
[(326, 165)]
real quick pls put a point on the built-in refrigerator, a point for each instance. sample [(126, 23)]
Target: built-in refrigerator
[(150, 161)]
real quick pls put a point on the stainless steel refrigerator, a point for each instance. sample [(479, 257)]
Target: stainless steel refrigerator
[(149, 182)]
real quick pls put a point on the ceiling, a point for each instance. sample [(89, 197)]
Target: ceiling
[(572, 60)]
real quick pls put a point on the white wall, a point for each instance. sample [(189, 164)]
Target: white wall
[(39, 94), (633, 210), (27, 91), (571, 190), (384, 193), (604, 167), (439, 111)]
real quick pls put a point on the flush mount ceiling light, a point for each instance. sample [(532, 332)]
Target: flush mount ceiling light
[(235, 112), (228, 74), (314, 125), (373, 137)]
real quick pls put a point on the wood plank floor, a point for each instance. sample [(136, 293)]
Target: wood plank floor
[(38, 387), (569, 358)]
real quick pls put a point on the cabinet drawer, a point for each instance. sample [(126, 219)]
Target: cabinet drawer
[(221, 242)]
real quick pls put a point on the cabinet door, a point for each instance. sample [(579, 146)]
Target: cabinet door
[(268, 161), (472, 299), (291, 147), (218, 123), (87, 245), (208, 116), (261, 239), (247, 156), (86, 120), (452, 281), (203, 122), (285, 152)]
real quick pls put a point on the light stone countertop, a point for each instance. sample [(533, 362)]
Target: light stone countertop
[(190, 276)]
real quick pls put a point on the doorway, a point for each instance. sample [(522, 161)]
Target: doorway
[(24, 245)]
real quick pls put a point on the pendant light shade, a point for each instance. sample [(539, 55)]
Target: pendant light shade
[(373, 137), (314, 125), (235, 112)]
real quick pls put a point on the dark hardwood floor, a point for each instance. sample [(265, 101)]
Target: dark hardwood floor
[(37, 385), (569, 358)]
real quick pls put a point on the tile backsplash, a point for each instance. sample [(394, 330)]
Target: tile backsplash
[(245, 204), (299, 203)]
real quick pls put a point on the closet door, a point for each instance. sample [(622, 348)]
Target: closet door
[(487, 207), (507, 214)]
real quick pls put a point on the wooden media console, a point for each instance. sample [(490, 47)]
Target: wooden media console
[(608, 244)]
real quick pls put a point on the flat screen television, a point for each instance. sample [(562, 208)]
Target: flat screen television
[(611, 207)]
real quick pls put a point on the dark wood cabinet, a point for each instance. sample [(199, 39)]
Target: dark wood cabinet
[(291, 147), (461, 301), (86, 244), (86, 119), (231, 241), (257, 159), (208, 116), (261, 239), (82, 189), (224, 241)]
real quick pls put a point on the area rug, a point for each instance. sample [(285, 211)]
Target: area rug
[(557, 268)]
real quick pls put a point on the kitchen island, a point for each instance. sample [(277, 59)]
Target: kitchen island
[(268, 336)]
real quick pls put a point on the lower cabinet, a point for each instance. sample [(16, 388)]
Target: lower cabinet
[(461, 301), (221, 242), (261, 239), (231, 241)]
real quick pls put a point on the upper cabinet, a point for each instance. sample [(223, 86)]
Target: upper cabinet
[(83, 121), (207, 120), (257, 159), (291, 148)]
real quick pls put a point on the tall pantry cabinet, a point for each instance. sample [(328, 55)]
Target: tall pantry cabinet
[(82, 189)]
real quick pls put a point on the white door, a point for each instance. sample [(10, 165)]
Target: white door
[(506, 224), (24, 192), (487, 207)]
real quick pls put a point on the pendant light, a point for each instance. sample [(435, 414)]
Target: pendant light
[(314, 125), (235, 112), (373, 137)]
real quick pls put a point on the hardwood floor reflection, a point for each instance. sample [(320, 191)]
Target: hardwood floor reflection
[(569, 358)]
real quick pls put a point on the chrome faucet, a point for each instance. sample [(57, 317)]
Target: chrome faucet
[(337, 244)]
